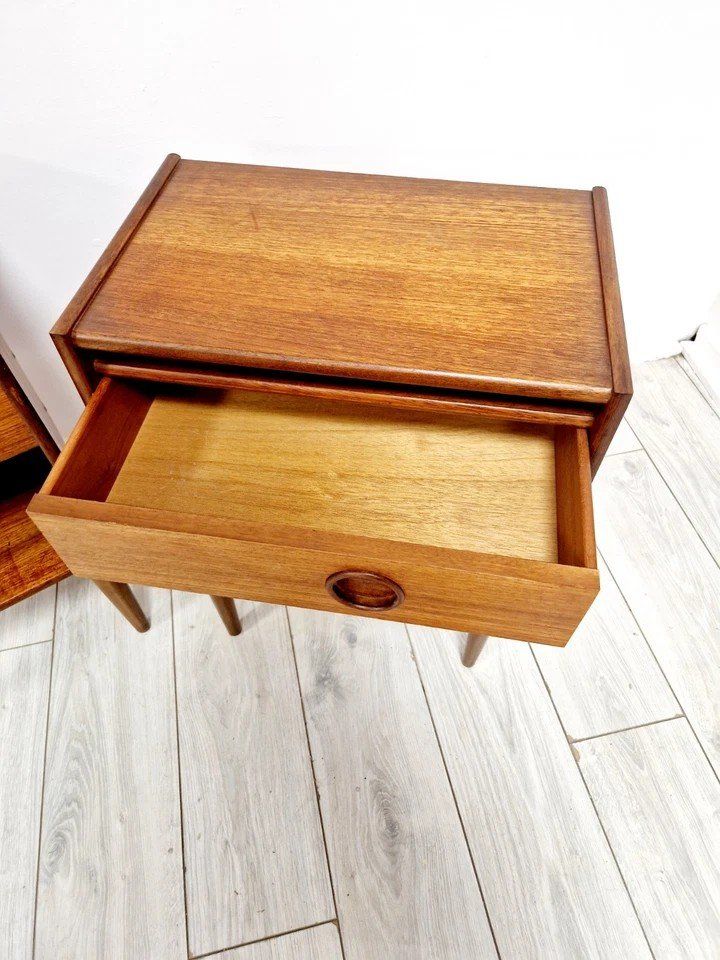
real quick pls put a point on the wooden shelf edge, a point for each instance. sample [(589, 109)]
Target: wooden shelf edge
[(8, 452), (22, 411), (358, 391), (8, 600), (28, 563)]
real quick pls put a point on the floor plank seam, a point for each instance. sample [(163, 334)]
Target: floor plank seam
[(317, 792), (575, 757), (23, 646), (179, 769), (676, 357), (659, 665), (634, 726), (622, 453), (44, 769), (715, 560), (252, 943), (452, 790)]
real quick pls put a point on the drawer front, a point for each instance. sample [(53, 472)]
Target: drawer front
[(499, 596)]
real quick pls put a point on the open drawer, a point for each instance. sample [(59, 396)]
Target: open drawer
[(447, 520)]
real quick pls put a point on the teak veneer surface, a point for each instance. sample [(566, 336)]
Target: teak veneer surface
[(478, 485), (27, 561), (15, 436), (426, 282)]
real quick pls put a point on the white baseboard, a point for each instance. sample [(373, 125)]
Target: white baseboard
[(701, 359)]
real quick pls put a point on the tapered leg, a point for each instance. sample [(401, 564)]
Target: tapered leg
[(121, 596), (225, 606), (473, 648)]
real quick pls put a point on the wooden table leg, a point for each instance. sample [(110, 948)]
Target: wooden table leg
[(473, 648), (122, 598), (225, 606)]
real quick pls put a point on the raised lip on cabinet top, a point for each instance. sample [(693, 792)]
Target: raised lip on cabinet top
[(480, 287)]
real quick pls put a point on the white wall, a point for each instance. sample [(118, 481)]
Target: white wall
[(94, 94)]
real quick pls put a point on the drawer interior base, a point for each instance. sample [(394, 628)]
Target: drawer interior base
[(476, 485)]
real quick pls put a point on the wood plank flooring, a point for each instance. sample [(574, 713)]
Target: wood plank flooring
[(607, 678), (660, 804), (524, 805), (671, 583), (254, 857), (32, 623), (403, 876), (24, 683), (319, 943), (681, 434), (110, 873), (330, 788), (624, 440)]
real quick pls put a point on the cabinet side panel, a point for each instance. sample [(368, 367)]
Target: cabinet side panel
[(603, 430), (607, 422)]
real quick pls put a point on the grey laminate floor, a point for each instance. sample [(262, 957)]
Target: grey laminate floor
[(324, 787)]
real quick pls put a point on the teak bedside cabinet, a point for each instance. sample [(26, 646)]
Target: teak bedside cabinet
[(346, 392)]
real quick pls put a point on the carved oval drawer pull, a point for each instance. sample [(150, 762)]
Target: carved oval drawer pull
[(364, 590)]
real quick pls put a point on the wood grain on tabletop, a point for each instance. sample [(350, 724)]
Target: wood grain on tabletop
[(78, 365), (419, 281)]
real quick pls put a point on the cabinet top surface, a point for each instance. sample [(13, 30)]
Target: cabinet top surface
[(429, 282)]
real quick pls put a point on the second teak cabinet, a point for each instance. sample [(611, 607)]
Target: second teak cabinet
[(346, 392)]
